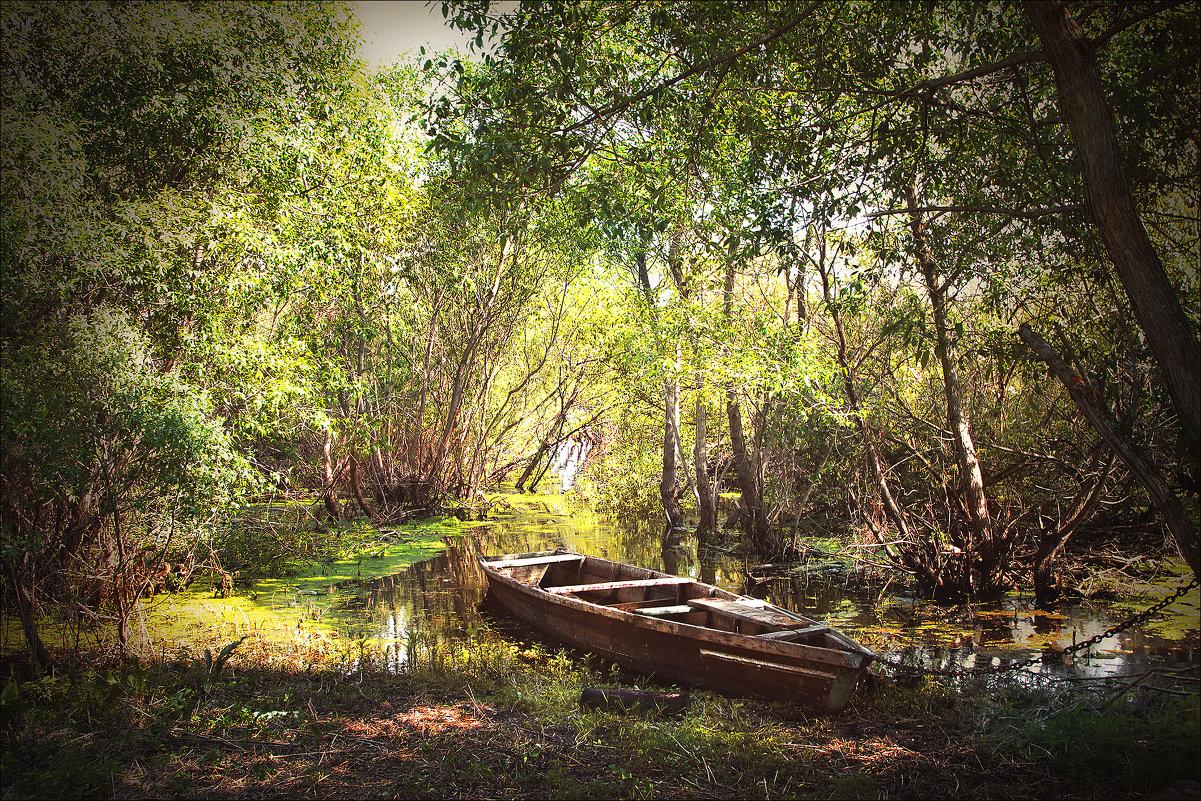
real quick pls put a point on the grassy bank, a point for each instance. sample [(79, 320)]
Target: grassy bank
[(485, 717)]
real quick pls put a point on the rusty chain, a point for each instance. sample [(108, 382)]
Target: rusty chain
[(1050, 655)]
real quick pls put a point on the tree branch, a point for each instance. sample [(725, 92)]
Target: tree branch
[(1103, 38), (968, 75), (1088, 400), (1025, 214), (766, 39)]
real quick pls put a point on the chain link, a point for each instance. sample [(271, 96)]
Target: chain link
[(1051, 654)]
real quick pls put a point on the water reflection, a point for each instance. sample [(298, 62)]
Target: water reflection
[(441, 597)]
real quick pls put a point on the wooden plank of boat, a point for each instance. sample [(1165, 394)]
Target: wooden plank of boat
[(762, 664), (645, 635), (619, 585), (659, 611), (794, 634), (536, 560), (762, 615)]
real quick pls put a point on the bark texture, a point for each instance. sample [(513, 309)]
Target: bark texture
[(987, 552), (1155, 303)]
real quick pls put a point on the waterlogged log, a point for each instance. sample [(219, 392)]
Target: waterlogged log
[(630, 700)]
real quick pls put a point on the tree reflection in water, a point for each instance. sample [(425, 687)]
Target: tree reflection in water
[(440, 598)]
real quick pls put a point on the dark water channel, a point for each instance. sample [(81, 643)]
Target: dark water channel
[(441, 597)]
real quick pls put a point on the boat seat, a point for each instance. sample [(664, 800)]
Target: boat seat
[(659, 611), (536, 560), (754, 614), (793, 634), (619, 585)]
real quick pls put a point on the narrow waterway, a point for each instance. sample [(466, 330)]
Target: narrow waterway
[(437, 591)]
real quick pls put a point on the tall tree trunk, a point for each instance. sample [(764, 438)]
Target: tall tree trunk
[(706, 501), (327, 493), (1152, 297), (927, 574), (671, 403), (754, 524), (764, 541), (671, 432), (982, 550)]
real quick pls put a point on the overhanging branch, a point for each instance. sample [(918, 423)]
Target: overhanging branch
[(1026, 214), (766, 39)]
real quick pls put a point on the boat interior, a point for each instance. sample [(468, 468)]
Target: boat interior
[(651, 594)]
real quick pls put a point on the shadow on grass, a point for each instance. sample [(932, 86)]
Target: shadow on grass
[(484, 717)]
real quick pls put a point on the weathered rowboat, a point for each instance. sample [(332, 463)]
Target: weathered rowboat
[(679, 629)]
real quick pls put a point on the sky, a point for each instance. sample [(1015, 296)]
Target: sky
[(391, 27)]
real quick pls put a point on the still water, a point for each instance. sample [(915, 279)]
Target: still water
[(441, 595)]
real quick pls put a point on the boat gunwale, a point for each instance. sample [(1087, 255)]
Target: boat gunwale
[(839, 658)]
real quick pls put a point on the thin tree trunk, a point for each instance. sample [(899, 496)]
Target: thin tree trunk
[(822, 460), (927, 574), (415, 439), (358, 491), (762, 540), (754, 524), (467, 362), (39, 655), (1135, 458), (327, 494), (980, 546), (700, 459), (671, 428)]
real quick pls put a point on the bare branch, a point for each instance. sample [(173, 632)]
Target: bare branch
[(972, 74), (1089, 401)]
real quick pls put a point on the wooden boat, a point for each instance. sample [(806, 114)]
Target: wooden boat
[(679, 629)]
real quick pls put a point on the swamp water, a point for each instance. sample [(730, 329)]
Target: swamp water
[(426, 588)]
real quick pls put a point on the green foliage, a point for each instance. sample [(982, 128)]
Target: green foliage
[(86, 410)]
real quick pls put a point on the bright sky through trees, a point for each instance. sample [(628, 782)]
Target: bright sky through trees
[(394, 27)]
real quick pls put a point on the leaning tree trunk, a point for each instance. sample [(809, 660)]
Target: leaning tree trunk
[(1154, 301), (1087, 399)]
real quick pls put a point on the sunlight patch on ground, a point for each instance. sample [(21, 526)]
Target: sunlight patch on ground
[(434, 719)]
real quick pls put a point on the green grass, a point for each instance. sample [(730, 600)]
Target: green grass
[(484, 716)]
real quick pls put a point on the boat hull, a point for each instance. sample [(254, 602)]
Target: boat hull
[(725, 661)]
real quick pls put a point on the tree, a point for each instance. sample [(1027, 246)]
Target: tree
[(134, 182), (957, 91)]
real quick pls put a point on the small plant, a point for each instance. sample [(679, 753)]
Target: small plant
[(189, 700)]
